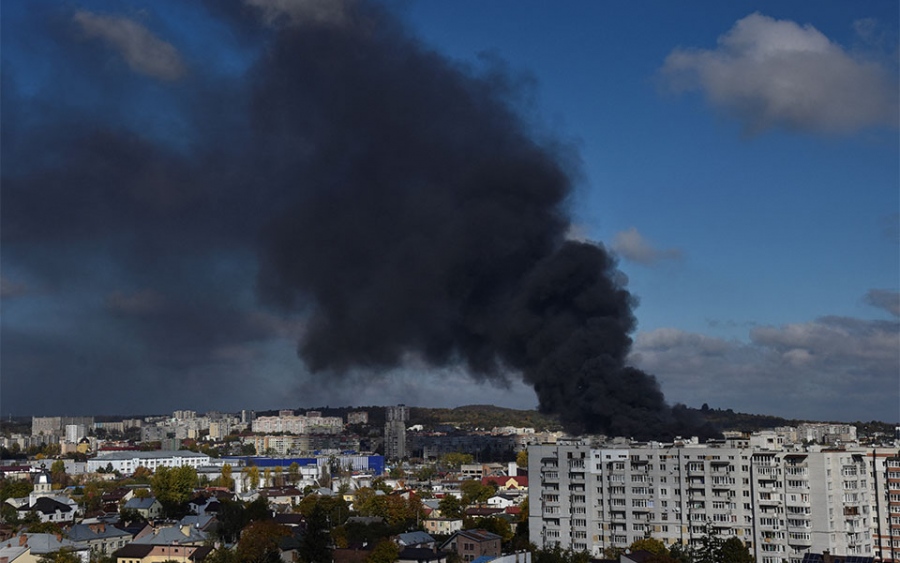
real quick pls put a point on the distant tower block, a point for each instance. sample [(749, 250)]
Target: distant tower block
[(395, 431)]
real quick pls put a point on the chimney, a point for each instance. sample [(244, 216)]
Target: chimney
[(23, 540)]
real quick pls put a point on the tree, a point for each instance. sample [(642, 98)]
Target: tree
[(142, 474), (58, 473), (259, 542), (172, 487), (522, 459), (652, 545), (250, 475), (279, 477), (385, 552), (314, 546), (733, 550), (450, 507), (225, 479), (64, 555), (455, 460), (294, 473), (474, 492), (231, 520)]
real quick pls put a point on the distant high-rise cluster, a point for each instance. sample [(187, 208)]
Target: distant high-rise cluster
[(395, 420)]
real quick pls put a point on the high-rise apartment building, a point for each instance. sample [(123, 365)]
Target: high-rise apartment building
[(781, 504), (395, 431)]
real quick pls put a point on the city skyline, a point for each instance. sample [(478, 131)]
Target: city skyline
[(756, 226)]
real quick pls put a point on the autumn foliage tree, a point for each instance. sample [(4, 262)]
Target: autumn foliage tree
[(259, 542)]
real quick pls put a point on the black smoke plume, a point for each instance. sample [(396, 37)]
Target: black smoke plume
[(400, 202), (430, 221)]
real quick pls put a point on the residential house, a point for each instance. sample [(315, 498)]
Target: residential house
[(415, 539), (98, 538), (144, 553), (148, 507), (11, 552), (471, 544), (504, 483), (442, 526), (421, 555), (49, 510), (172, 536), (45, 544)]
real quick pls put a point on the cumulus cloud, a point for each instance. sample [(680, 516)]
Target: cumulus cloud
[(144, 52), (884, 299), (802, 370), (770, 73), (631, 245)]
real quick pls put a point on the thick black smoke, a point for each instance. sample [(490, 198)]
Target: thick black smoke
[(431, 222), (399, 201)]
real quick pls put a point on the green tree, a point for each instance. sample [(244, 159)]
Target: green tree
[(8, 514), (450, 507), (221, 555), (474, 492), (385, 552), (294, 473), (314, 546), (522, 459), (259, 542), (733, 550), (652, 545), (493, 525), (172, 487), (58, 473), (455, 460), (64, 555), (14, 488), (231, 520)]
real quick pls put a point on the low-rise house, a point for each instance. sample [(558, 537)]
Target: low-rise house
[(49, 510), (45, 544), (421, 555), (172, 535), (504, 483), (288, 496), (415, 539), (442, 526), (149, 507), (15, 554), (472, 544), (205, 523), (98, 538), (142, 553)]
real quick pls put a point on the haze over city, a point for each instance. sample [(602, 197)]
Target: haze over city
[(264, 204)]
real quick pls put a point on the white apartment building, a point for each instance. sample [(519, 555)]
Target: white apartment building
[(781, 504), (127, 462), (298, 424)]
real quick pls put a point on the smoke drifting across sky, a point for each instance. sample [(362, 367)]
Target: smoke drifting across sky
[(382, 204)]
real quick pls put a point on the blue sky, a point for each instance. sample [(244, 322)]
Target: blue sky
[(741, 160)]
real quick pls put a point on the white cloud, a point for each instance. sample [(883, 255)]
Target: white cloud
[(631, 245), (328, 12), (144, 52), (833, 368), (775, 73)]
